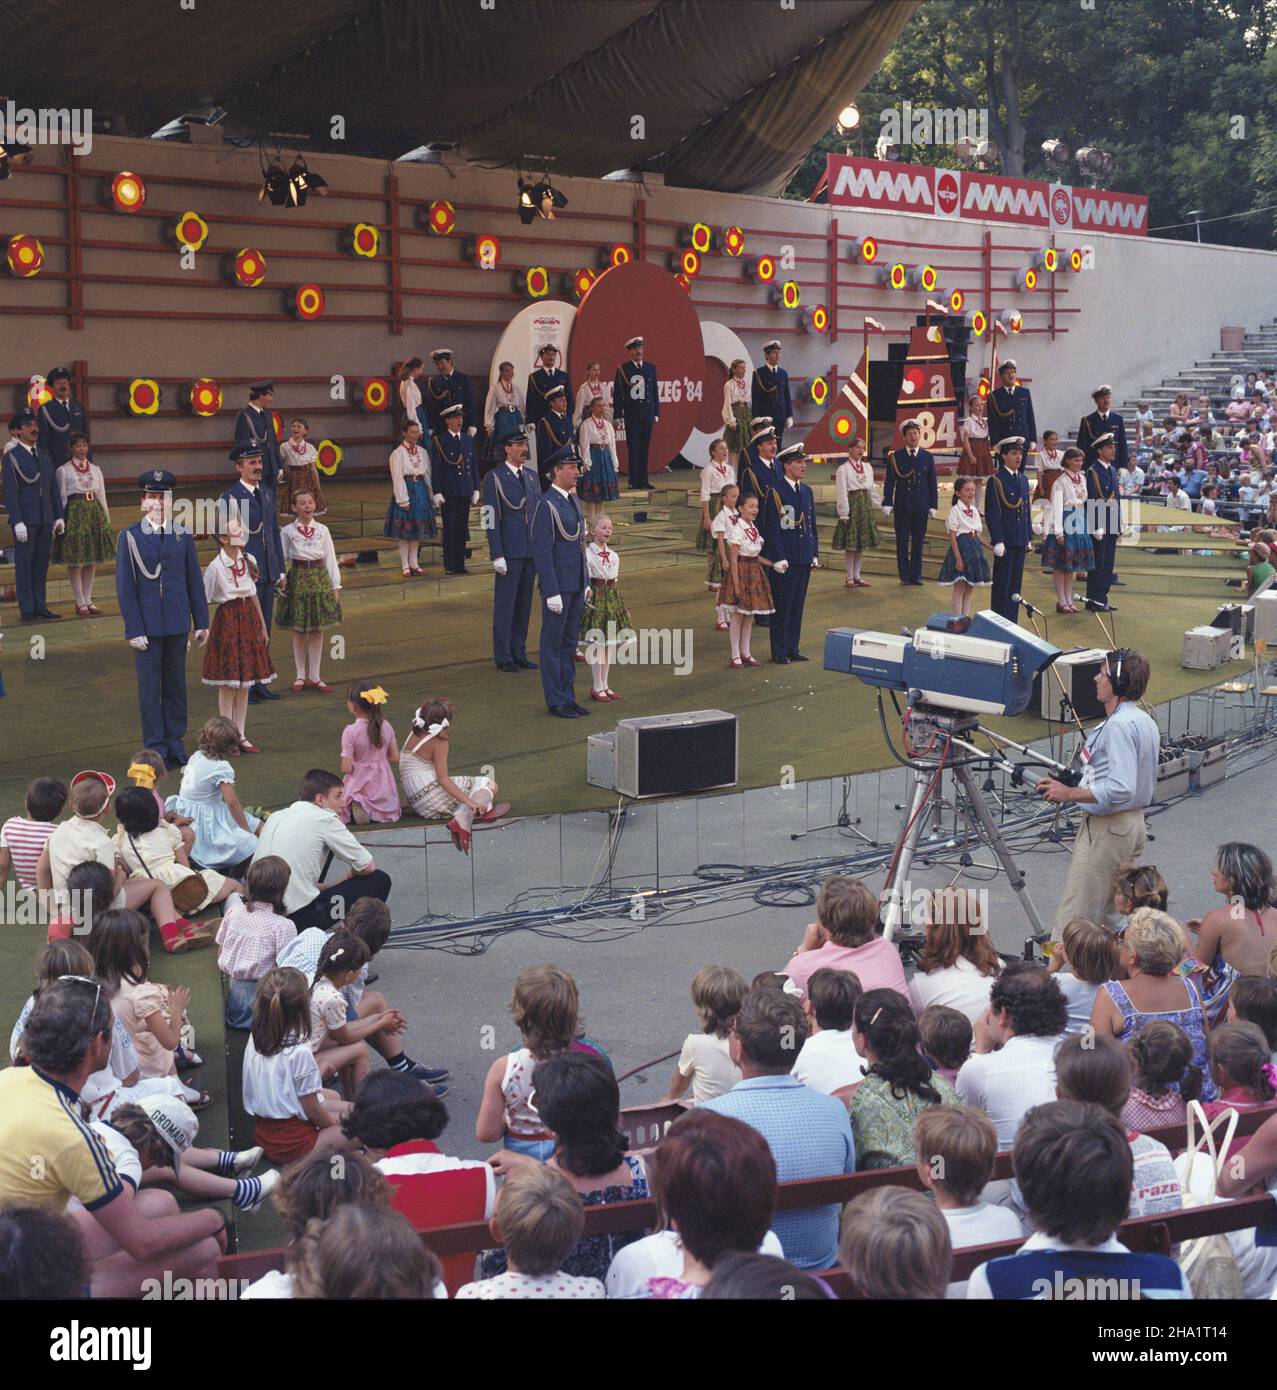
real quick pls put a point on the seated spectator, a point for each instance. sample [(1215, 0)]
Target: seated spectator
[(152, 848), (1083, 958), (762, 1278), (945, 1036), (304, 835), (251, 935), (1074, 1168), (364, 1251), (958, 964), (714, 1180), (899, 1082), (1143, 419), (1138, 885), (1242, 1067), (22, 838), (843, 937), (1254, 1000), (539, 1220), (705, 1063), (829, 1061), (1260, 569), (1097, 1071), (956, 1146), (41, 1255), (1232, 942), (1130, 480), (1013, 1066), (578, 1098), (809, 1134), (894, 1244), (1152, 946), (312, 1190), (1179, 408), (90, 893), (148, 769), (128, 1237), (1163, 1077), (225, 833), (338, 1044)]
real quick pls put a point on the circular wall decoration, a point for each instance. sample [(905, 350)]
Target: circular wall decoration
[(328, 457), (816, 320), (817, 391), (730, 241), (127, 192), (957, 300), (864, 249), (24, 256), (363, 240), (788, 295), (979, 323), (202, 397), (248, 268), (579, 282), (761, 269), (483, 252), (307, 303), (534, 282), (189, 231), (142, 396), (698, 236), (372, 395), (441, 217), (616, 254)]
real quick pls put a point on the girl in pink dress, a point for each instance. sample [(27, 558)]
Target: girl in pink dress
[(368, 748)]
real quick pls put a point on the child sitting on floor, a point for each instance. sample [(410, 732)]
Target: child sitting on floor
[(22, 838), (252, 934), (148, 769), (150, 847), (705, 1063), (225, 833), (337, 1040)]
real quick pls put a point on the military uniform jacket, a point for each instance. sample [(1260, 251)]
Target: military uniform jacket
[(263, 542), (158, 582), (511, 502), (1011, 412), (646, 406), (1006, 508), (789, 524), (910, 483), (558, 544), (769, 395), (256, 427), (554, 430), (1094, 425), (443, 391), (757, 477), (540, 384), (1101, 481), (57, 421), (454, 470), (31, 496)]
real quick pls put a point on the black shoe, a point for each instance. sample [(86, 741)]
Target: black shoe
[(524, 664), (507, 666), (462, 570), (30, 618), (48, 616), (798, 656), (563, 711), (917, 583), (581, 711), (266, 693), (781, 660)]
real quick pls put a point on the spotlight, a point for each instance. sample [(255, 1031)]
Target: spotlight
[(1010, 320), (275, 185), (1095, 164), (302, 183), (863, 249), (538, 199), (1057, 154), (885, 148), (848, 118), (987, 156)]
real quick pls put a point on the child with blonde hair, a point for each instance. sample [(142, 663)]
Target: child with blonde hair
[(705, 1063), (225, 833), (605, 615)]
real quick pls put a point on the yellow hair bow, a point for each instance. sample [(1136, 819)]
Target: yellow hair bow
[(142, 775), (375, 696)]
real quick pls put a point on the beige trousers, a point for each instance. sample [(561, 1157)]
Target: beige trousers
[(1103, 845)]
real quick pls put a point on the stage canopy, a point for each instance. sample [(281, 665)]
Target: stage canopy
[(733, 92)]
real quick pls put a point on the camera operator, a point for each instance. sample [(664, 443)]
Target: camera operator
[(1118, 781)]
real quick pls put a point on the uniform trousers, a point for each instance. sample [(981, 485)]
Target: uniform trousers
[(512, 610), (161, 693), (1099, 578), (789, 594), (31, 569), (455, 512), (1008, 579), (911, 532), (638, 439), (559, 632)]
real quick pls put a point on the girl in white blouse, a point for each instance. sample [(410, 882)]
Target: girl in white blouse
[(1068, 543), (238, 653), (309, 603), (88, 540), (746, 594), (592, 386), (720, 532), (598, 483), (410, 392), (605, 616), (856, 496), (504, 409), (736, 410), (964, 564), (717, 474), (410, 517)]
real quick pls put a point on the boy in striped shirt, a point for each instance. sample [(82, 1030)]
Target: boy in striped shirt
[(23, 837)]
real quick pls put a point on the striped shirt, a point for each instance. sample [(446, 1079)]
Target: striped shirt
[(250, 938), (24, 839)]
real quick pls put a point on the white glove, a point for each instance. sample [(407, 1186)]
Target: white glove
[(20, 532), (932, 513), (789, 424), (139, 644), (472, 431), (815, 562), (555, 604), (201, 633), (886, 511), (59, 526), (781, 566), (474, 497), (589, 593), (999, 550), (500, 565), (438, 499), (1099, 535)]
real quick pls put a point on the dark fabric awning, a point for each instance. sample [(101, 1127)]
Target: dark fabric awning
[(732, 93)]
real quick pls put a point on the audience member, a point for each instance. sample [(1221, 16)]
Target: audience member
[(829, 1061), (22, 838), (1242, 1067), (225, 833), (705, 1063), (1235, 938), (41, 1255), (945, 1036), (958, 964), (364, 1252), (843, 938), (151, 847), (252, 932), (1090, 954), (1254, 1000), (1163, 1077), (763, 1277), (894, 1244)]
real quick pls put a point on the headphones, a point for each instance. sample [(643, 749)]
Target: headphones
[(1119, 679)]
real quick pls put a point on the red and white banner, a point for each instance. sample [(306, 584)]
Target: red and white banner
[(963, 193)]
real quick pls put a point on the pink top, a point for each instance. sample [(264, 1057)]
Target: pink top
[(877, 965), (371, 781), (1143, 1112), (250, 937)]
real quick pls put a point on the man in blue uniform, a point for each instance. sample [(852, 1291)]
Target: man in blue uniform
[(546, 378), (558, 551), (161, 593), (758, 467), (448, 387), (554, 430), (1105, 520), (454, 471), (510, 496), (34, 504), (1102, 420), (255, 428), (255, 506), (1006, 514), (59, 419), (909, 497), (791, 544), (769, 391), (1011, 409), (636, 398)]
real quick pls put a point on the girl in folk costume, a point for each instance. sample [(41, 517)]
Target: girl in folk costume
[(745, 593), (504, 409), (368, 748), (597, 483), (716, 477), (309, 603), (1068, 543), (856, 495), (605, 614), (964, 564), (720, 531), (592, 386), (238, 652), (736, 411), (977, 458), (1050, 466), (88, 540), (410, 393), (410, 518), (423, 770), (299, 471)]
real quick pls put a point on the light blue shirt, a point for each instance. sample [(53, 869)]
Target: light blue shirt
[(1122, 771), (809, 1135)]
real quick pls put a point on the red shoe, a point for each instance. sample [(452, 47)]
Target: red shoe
[(723, 627), (863, 584), (737, 663), (579, 655), (460, 837), (598, 695), (612, 695), (850, 584), (322, 686), (246, 747), (94, 610), (749, 661), (299, 685), (502, 808)]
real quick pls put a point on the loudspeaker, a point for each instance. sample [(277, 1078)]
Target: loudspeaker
[(1078, 669), (884, 383), (675, 754)]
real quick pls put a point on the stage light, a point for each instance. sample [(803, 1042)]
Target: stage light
[(762, 269), (142, 396), (202, 397), (786, 296), (923, 277), (126, 192), (895, 276), (483, 252), (248, 268), (987, 156), (1011, 320), (817, 390), (979, 323), (886, 149), (957, 301), (302, 182), (698, 236), (440, 217), (863, 249), (538, 199), (372, 396), (24, 256), (1047, 259), (579, 282), (816, 320), (363, 240), (616, 254), (730, 241), (534, 282), (307, 302), (1095, 164), (275, 185), (328, 457), (1026, 278), (1057, 154), (13, 154), (189, 231), (1075, 259)]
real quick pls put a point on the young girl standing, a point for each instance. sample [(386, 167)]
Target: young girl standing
[(410, 392), (964, 566), (299, 470), (88, 540), (410, 518), (598, 447), (309, 603), (856, 495), (1068, 543), (977, 458), (719, 530), (238, 652), (503, 411), (592, 386), (736, 411), (368, 749), (423, 769), (746, 593), (605, 613), (717, 474)]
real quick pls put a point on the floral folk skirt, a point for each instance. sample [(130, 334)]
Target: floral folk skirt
[(237, 654), (753, 596), (605, 606), (88, 538), (416, 521), (859, 531), (295, 478), (308, 603)]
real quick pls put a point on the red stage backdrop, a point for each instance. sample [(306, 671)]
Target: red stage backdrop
[(643, 299)]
